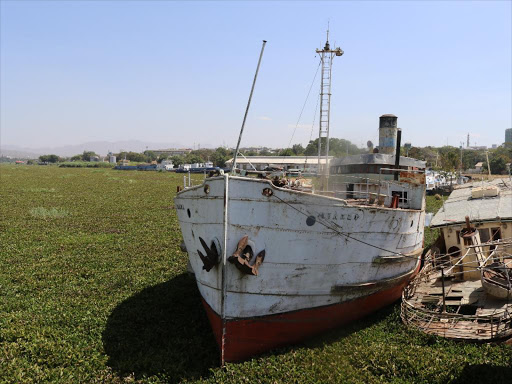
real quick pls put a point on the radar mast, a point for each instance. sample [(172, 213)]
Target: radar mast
[(326, 57)]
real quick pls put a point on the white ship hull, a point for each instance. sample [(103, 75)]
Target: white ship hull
[(319, 251)]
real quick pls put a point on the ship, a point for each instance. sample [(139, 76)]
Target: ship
[(463, 292), (278, 260)]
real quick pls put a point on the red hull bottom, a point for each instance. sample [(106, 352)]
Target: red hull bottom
[(248, 337)]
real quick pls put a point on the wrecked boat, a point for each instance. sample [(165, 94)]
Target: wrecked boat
[(464, 290), (276, 262)]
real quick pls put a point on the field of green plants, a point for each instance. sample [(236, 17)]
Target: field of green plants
[(94, 289)]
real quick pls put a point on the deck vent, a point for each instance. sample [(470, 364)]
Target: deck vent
[(479, 192)]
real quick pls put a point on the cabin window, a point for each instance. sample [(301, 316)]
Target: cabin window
[(484, 235), (496, 234), (454, 251), (457, 234), (402, 196), (350, 190)]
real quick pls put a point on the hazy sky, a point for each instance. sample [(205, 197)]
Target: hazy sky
[(166, 71)]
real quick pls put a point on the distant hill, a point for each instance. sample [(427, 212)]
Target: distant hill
[(18, 153), (100, 147)]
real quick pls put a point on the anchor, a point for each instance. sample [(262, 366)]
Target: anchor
[(212, 256), (242, 257)]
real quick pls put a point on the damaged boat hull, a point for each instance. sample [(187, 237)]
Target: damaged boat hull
[(325, 262)]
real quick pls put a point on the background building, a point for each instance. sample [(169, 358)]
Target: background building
[(172, 152), (302, 163), (508, 135)]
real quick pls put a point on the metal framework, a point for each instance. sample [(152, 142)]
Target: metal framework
[(326, 56)]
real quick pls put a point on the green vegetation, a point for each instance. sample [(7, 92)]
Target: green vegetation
[(448, 158), (100, 294), (337, 148), (85, 164), (49, 159), (51, 212), (434, 203)]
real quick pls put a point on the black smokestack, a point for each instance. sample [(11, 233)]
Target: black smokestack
[(397, 153)]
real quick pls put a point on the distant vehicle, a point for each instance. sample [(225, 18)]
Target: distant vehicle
[(197, 170)]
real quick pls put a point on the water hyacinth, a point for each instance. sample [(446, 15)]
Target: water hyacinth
[(94, 289)]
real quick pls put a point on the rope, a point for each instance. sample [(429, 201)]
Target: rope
[(353, 238), (303, 106), (313, 123), (344, 234)]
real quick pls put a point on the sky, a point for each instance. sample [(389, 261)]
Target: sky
[(181, 72)]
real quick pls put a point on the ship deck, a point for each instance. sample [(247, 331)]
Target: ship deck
[(469, 314)]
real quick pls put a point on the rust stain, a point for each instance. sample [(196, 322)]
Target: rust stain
[(412, 177)]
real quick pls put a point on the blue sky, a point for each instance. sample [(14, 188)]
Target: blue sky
[(166, 71)]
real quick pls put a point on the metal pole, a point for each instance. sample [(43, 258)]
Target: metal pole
[(367, 194), (320, 119), (327, 168), (247, 109), (488, 165), (460, 172), (442, 282), (397, 152), (378, 193), (224, 286)]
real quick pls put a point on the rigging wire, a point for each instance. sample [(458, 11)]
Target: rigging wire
[(314, 119), (313, 124), (304, 106), (344, 234), (330, 225)]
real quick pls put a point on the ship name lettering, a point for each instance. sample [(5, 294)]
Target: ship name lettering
[(179, 206), (341, 216)]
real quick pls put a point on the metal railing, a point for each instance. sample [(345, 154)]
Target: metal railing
[(364, 189)]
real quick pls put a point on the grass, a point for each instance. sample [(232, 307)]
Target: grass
[(101, 295), (85, 164), (48, 213), (434, 203)]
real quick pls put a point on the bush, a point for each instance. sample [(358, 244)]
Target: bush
[(83, 164)]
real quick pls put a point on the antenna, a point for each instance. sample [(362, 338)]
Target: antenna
[(326, 57)]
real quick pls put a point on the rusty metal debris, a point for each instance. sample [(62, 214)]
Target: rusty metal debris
[(212, 256), (394, 201), (214, 173), (243, 255), (280, 182)]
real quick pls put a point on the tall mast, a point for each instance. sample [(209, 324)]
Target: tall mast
[(326, 56), (233, 166)]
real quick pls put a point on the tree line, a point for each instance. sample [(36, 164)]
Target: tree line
[(447, 158)]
